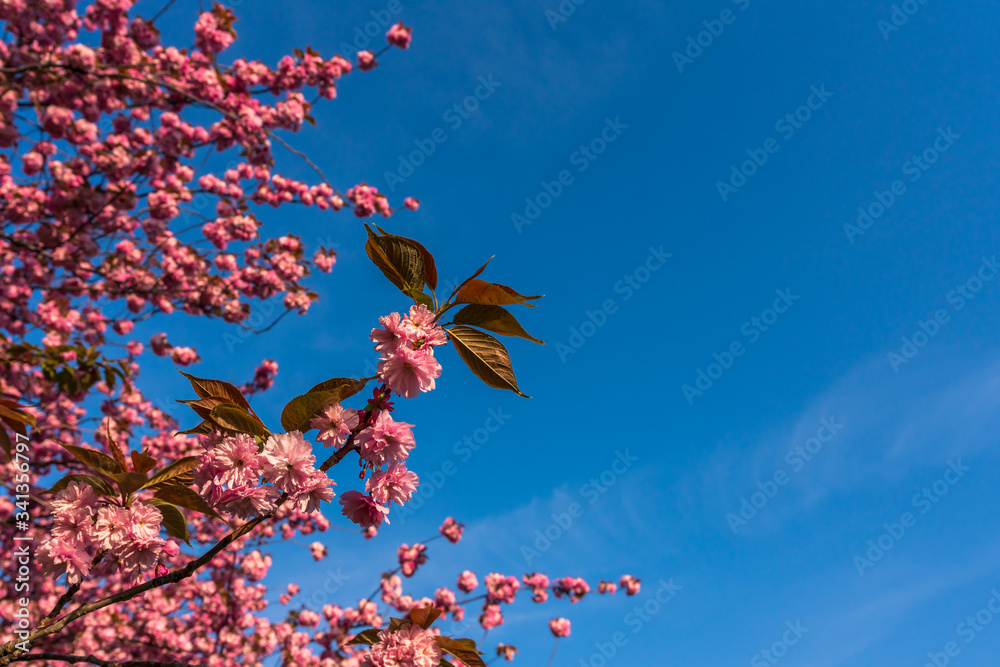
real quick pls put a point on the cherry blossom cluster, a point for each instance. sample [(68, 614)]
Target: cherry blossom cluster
[(82, 527), (406, 344)]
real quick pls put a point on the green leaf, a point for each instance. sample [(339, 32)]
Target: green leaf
[(185, 497), (485, 356), (346, 386), (300, 410), (368, 637), (178, 467), (237, 419), (424, 616), (203, 406), (173, 519), (493, 318), (99, 485), (420, 297), (95, 460), (398, 259)]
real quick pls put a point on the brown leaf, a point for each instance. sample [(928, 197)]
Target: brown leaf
[(430, 267), (491, 294), (178, 467), (493, 318), (95, 460), (399, 259), (116, 451), (485, 356), (129, 482), (206, 388), (424, 616), (234, 418), (463, 649), (142, 463), (98, 484), (185, 497)]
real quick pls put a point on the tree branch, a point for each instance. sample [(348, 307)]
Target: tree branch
[(28, 657)]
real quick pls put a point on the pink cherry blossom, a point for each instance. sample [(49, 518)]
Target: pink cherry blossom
[(335, 424), (410, 646), (288, 461), (362, 509), (560, 627), (394, 484), (386, 440)]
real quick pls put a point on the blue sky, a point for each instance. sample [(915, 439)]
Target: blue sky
[(775, 240)]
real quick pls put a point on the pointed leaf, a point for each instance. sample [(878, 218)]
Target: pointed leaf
[(5, 443), (463, 649), (173, 519), (301, 409), (178, 467), (493, 318), (485, 356), (116, 451), (476, 274), (95, 460), (424, 616), (129, 482), (185, 497), (237, 419), (397, 258), (203, 428), (16, 418), (99, 485), (142, 463), (346, 387), (368, 637), (203, 406), (491, 294), (430, 268), (206, 388)]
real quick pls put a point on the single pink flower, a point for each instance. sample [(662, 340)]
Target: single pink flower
[(560, 627), (362, 509)]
